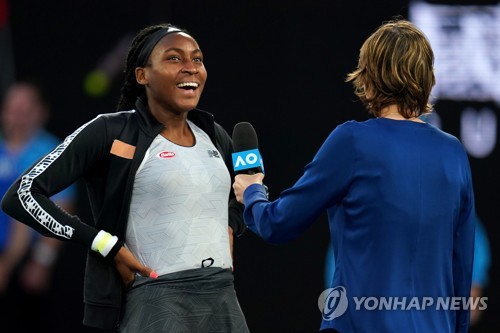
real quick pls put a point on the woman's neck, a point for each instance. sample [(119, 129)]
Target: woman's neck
[(392, 112), (176, 128), (178, 131)]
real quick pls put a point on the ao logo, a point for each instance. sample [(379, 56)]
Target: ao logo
[(333, 302), (249, 159)]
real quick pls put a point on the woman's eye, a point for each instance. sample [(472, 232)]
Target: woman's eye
[(198, 59), (174, 58)]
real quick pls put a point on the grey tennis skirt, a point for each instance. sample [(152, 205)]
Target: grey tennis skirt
[(191, 301)]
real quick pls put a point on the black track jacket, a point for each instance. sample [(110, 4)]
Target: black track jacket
[(109, 179)]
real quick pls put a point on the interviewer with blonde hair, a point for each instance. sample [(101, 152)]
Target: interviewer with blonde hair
[(398, 193)]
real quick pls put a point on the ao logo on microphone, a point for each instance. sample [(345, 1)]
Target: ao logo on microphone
[(333, 302), (247, 159)]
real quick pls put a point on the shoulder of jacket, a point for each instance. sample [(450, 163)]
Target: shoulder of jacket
[(117, 117), (116, 121), (219, 129)]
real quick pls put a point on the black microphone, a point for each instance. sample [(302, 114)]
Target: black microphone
[(246, 156)]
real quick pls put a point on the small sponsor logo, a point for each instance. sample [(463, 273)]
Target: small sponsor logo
[(165, 154), (213, 153)]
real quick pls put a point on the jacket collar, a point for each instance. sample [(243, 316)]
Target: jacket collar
[(152, 127)]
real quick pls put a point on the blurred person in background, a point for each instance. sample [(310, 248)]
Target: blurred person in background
[(27, 259)]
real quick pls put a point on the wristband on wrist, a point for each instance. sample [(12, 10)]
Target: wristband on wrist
[(103, 243), (115, 249)]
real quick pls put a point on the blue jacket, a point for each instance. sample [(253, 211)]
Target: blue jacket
[(400, 206)]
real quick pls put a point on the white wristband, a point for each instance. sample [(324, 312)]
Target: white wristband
[(103, 242)]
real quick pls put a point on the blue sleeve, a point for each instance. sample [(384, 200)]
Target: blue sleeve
[(324, 182)]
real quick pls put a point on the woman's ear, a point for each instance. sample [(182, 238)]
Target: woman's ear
[(140, 75)]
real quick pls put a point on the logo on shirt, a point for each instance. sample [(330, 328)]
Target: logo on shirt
[(213, 153), (165, 154)]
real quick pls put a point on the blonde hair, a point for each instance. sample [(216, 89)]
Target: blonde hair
[(396, 66)]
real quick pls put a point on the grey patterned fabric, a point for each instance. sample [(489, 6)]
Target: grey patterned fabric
[(190, 301)]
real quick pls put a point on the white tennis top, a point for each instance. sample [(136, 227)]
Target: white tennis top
[(178, 217)]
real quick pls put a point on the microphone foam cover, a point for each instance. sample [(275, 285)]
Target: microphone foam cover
[(244, 137)]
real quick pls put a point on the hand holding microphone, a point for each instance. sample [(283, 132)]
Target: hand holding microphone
[(247, 161), (242, 181)]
